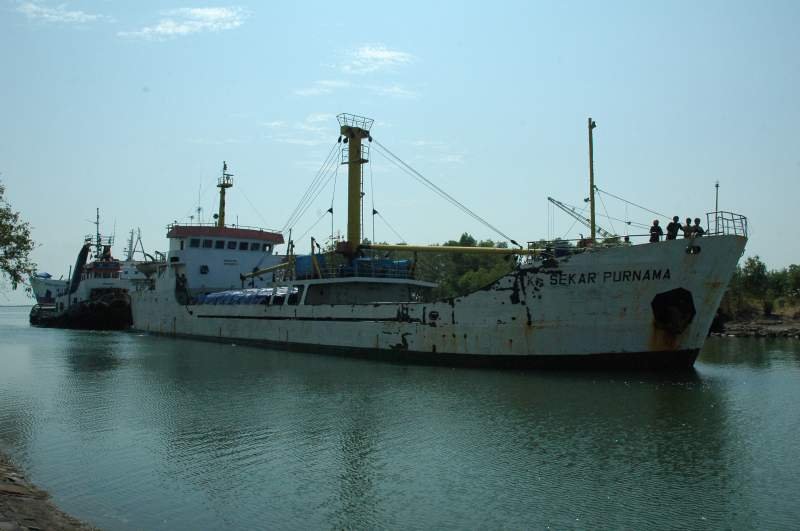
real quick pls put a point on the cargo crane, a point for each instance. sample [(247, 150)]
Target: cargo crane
[(573, 213)]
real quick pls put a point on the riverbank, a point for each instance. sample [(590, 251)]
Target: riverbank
[(25, 507), (762, 327)]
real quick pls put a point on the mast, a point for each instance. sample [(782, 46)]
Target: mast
[(716, 206), (352, 130), (131, 245), (223, 183), (592, 225)]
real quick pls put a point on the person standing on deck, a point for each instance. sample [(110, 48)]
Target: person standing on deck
[(673, 228), (687, 229), (697, 230), (655, 232)]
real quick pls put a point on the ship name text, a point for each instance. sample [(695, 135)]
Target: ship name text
[(628, 275)]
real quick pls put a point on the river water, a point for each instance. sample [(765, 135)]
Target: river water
[(130, 431)]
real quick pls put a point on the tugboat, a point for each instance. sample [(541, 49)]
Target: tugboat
[(604, 303), (97, 295)]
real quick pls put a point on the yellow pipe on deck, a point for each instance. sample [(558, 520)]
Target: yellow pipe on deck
[(269, 269), (450, 249)]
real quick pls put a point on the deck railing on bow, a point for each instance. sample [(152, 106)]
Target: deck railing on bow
[(725, 223)]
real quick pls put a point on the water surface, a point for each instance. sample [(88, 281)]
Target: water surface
[(130, 431)]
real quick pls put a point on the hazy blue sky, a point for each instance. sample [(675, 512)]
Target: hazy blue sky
[(132, 106)]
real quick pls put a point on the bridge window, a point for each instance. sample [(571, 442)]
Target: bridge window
[(219, 244), (295, 294), (207, 244), (255, 246), (242, 246), (279, 297), (231, 245), (194, 242), (267, 248)]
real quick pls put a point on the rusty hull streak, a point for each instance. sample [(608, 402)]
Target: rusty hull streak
[(661, 339)]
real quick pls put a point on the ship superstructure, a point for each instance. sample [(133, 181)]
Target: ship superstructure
[(592, 305), (207, 257)]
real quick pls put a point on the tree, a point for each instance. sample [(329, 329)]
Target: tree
[(754, 276), (15, 244)]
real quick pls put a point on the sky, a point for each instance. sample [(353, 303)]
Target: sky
[(132, 107)]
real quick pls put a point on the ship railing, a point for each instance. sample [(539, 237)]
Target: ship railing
[(347, 271), (104, 240), (726, 223), (214, 224), (547, 249), (354, 120)]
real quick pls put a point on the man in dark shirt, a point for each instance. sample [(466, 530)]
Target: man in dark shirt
[(673, 228), (697, 230), (687, 229), (655, 232)]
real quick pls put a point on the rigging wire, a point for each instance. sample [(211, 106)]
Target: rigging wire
[(574, 221), (333, 197), (372, 199), (310, 190), (375, 212), (266, 224), (397, 161), (632, 203), (312, 226), (627, 222), (314, 198), (199, 199), (313, 192), (609, 218)]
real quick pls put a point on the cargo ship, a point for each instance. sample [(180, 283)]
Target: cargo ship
[(605, 303)]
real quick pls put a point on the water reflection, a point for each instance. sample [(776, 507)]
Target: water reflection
[(764, 352), (176, 434)]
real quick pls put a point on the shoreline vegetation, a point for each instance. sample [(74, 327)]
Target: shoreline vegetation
[(760, 302), (24, 507)]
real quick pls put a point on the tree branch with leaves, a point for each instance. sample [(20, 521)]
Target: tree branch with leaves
[(15, 244)]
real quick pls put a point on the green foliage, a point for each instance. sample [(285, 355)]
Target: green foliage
[(460, 273), (754, 289), (15, 244), (754, 276)]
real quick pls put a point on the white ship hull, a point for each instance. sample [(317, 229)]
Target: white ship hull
[(46, 289), (643, 305)]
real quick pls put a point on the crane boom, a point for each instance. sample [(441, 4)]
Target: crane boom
[(573, 213)]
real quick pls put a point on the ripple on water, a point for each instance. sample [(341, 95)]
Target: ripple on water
[(131, 431)]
